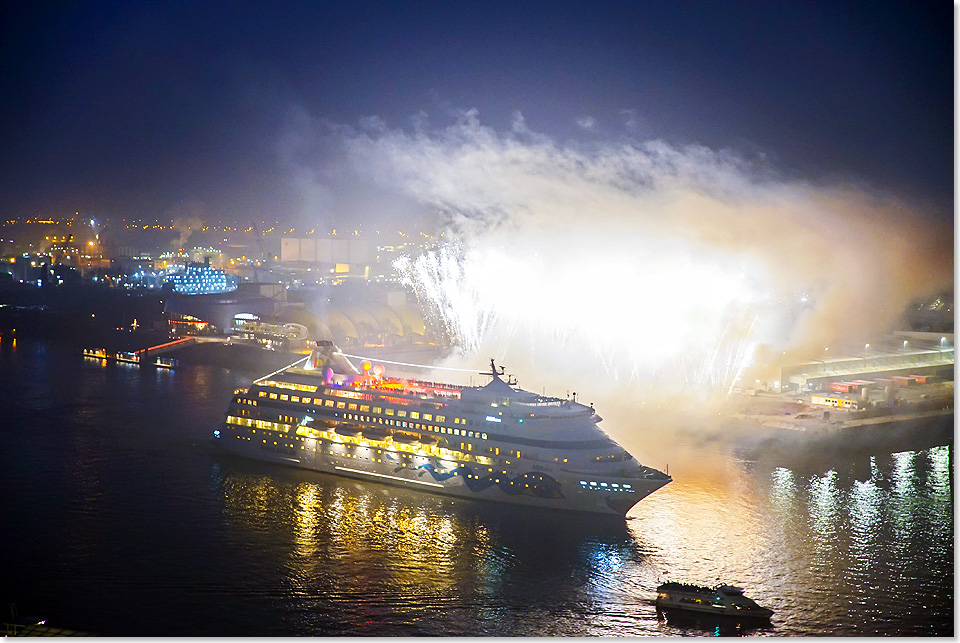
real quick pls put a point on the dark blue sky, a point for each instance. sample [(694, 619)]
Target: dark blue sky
[(134, 109)]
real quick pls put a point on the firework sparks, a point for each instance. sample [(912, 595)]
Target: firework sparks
[(693, 322), (643, 263)]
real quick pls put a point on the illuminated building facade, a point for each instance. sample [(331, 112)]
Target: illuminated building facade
[(201, 279)]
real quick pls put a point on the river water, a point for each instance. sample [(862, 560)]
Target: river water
[(119, 519)]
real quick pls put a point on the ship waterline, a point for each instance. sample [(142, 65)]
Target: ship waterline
[(493, 443)]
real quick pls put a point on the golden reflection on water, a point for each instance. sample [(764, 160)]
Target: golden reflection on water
[(369, 533), (307, 514), (824, 546), (822, 549), (705, 525)]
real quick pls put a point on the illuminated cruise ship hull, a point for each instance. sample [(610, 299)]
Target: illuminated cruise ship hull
[(491, 443)]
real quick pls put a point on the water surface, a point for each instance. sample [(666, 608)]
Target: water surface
[(119, 519)]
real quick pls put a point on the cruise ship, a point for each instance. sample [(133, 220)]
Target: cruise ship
[(495, 442)]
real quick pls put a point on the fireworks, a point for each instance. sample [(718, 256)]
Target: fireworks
[(642, 309), (449, 294), (642, 262)]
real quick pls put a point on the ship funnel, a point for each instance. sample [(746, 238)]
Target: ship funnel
[(325, 354)]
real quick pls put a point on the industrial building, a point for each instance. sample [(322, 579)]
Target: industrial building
[(909, 357), (348, 255)]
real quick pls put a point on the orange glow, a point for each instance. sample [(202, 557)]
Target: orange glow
[(196, 323), (173, 343)]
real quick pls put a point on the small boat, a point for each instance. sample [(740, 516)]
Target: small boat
[(720, 600)]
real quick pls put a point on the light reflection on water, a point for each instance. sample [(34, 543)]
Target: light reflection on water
[(814, 548), (421, 563), (137, 520)]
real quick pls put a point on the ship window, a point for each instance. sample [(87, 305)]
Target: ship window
[(414, 415), (483, 436), (306, 400), (365, 408), (377, 409), (263, 393), (441, 418), (389, 411), (328, 402), (402, 414), (427, 416), (284, 397), (273, 396), (294, 398), (341, 405)]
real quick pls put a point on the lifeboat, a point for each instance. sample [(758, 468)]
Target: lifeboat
[(375, 432), (347, 429), (402, 437)]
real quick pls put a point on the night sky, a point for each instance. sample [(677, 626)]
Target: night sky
[(147, 109)]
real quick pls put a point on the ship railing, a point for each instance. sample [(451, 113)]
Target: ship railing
[(412, 383), (12, 629), (540, 402), (565, 414)]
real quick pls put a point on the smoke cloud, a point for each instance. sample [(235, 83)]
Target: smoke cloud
[(187, 219), (643, 268)]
